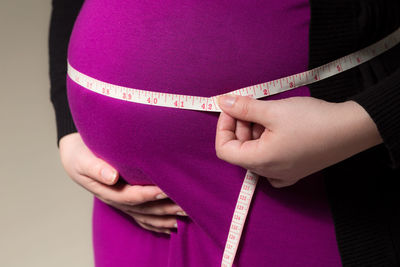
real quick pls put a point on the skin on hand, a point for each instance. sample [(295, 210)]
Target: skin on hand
[(148, 205), (286, 140)]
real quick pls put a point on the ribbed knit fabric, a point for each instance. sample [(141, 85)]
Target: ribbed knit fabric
[(364, 206), (63, 17), (358, 24), (375, 101), (331, 37), (362, 190), (380, 78)]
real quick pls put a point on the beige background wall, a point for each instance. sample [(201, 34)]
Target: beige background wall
[(45, 218)]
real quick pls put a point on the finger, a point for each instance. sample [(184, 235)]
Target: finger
[(226, 128), (244, 108), (274, 182), (160, 207), (154, 229), (123, 193), (257, 131), (243, 130), (96, 168), (229, 148), (278, 183), (244, 154), (156, 221)]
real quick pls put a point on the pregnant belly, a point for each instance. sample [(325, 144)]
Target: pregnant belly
[(200, 48), (135, 137), (197, 48)]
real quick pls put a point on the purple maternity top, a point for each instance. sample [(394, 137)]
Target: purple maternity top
[(201, 48)]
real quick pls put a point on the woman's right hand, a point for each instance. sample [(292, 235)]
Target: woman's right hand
[(148, 205)]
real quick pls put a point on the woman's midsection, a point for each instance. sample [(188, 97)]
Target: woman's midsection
[(199, 48)]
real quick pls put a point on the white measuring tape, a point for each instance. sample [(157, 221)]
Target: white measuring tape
[(210, 104)]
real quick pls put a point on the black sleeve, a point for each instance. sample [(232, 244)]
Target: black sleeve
[(380, 93), (382, 102), (339, 28), (63, 15)]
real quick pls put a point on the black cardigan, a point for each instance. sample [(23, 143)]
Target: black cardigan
[(364, 190)]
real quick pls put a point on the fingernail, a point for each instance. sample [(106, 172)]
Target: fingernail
[(161, 196), (227, 100), (181, 213), (176, 225), (108, 175), (168, 232)]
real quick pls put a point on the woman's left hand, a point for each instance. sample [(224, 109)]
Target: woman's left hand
[(288, 139)]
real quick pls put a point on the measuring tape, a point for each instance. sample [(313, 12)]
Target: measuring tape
[(210, 104)]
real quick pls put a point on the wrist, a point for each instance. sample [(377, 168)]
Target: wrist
[(66, 139), (359, 126)]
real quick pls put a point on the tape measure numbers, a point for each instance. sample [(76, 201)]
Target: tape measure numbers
[(209, 104)]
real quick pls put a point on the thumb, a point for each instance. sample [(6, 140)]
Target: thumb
[(97, 169), (244, 108)]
